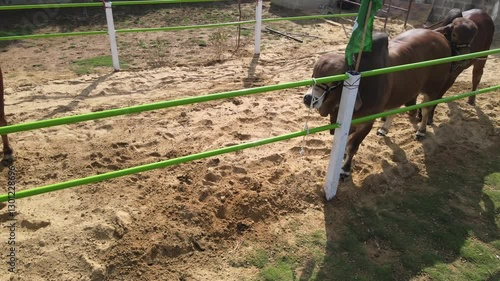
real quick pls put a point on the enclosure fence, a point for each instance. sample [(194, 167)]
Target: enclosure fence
[(108, 7), (140, 108), (338, 149)]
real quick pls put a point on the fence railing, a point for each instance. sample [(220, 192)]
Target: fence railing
[(111, 26), (99, 4), (170, 28), (207, 154), (202, 155), (225, 95), (338, 147)]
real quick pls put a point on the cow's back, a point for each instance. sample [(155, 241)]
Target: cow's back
[(372, 89), (413, 46)]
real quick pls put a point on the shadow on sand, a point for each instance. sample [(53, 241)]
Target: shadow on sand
[(82, 96), (424, 221)]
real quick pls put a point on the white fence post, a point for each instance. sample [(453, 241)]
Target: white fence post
[(344, 118), (258, 26), (112, 35)]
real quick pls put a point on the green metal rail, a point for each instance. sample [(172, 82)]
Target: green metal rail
[(231, 94), (171, 28), (206, 154), (99, 4)]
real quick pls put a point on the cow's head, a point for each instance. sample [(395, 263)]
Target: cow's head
[(460, 33), (326, 97)]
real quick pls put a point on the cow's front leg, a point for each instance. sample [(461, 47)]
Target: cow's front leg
[(352, 147)]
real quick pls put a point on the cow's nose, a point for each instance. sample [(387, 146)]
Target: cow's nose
[(308, 100)]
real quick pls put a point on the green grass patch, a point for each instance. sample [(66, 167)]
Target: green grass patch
[(446, 227), (257, 258), (280, 271), (246, 32), (477, 260), (316, 238), (16, 31), (493, 180), (87, 66)]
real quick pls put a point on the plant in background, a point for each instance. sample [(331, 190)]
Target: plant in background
[(219, 41), (159, 55)]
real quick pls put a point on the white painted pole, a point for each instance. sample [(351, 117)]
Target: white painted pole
[(258, 26), (112, 35), (344, 118)]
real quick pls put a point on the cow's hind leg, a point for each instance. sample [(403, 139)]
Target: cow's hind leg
[(412, 113), (384, 130), (477, 74), (353, 146)]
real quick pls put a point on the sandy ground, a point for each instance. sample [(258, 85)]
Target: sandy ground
[(186, 222)]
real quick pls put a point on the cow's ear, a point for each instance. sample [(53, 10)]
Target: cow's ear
[(358, 103), (446, 31)]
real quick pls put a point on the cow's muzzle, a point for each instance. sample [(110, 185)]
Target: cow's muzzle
[(308, 100), (314, 98), (316, 94)]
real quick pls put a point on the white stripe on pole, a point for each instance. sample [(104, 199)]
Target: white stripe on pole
[(344, 118), (258, 26), (112, 35)]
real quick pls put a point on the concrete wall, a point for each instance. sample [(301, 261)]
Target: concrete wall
[(441, 7)]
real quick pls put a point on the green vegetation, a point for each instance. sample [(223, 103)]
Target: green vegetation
[(280, 271), (16, 31), (87, 66), (258, 258), (443, 228)]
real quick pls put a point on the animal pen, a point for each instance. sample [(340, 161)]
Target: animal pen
[(337, 151)]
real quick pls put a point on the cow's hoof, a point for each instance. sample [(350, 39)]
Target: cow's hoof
[(344, 176), (7, 160), (382, 132), (472, 100), (420, 136)]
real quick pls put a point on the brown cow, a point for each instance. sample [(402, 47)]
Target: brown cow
[(384, 92), (482, 42), (7, 151)]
